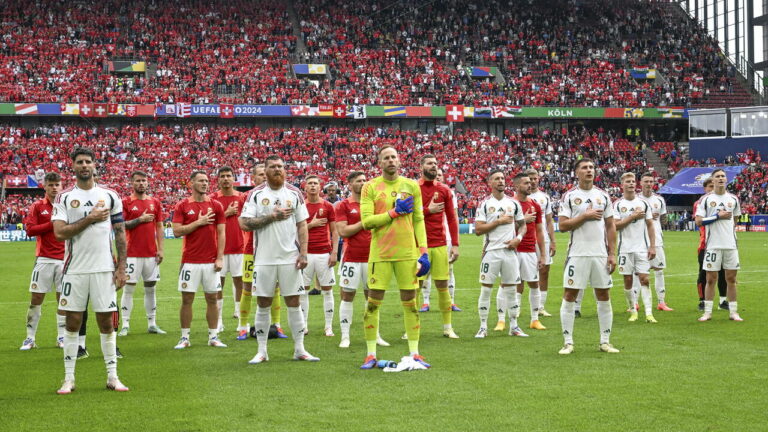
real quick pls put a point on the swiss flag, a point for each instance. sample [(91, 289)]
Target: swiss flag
[(454, 113), (131, 110), (226, 111), (339, 111), (100, 110), (86, 110)]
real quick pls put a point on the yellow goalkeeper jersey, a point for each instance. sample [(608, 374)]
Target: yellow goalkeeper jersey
[(398, 239)]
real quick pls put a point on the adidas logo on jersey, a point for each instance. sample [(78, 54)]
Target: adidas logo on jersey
[(89, 203), (353, 211), (191, 212), (135, 208), (44, 212)]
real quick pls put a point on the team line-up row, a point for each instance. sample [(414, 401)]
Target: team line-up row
[(396, 232)]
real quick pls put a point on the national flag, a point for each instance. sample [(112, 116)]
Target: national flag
[(26, 109), (357, 112), (226, 111), (454, 113), (339, 111), (70, 109), (469, 111), (32, 181), (304, 111), (483, 112), (49, 109), (112, 109), (325, 110), (394, 111), (183, 109), (504, 111), (132, 111), (672, 112), (86, 110), (15, 181), (99, 110), (316, 69)]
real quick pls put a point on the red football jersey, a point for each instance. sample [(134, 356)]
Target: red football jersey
[(235, 240), (529, 239), (433, 190), (142, 241), (357, 247), (38, 224), (702, 230), (320, 237), (248, 238), (200, 245)]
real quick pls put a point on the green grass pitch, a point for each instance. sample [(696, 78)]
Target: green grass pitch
[(677, 375)]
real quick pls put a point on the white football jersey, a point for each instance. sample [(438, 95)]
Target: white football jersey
[(634, 236), (658, 206), (544, 201), (720, 234), (90, 251), (490, 210), (277, 242), (588, 239)]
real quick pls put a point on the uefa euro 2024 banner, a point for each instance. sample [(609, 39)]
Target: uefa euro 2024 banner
[(690, 181)]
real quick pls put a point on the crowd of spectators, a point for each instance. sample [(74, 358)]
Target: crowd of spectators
[(751, 186), (548, 52), (168, 153)]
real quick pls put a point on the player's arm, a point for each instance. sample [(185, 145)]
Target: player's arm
[(345, 230), (33, 227), (334, 245), (540, 240), (610, 234), (160, 239), (258, 222), (651, 232), (367, 206), (453, 222), (180, 230), (65, 231), (302, 234), (144, 218), (419, 227), (121, 245)]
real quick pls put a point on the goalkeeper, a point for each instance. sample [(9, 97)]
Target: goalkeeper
[(391, 208)]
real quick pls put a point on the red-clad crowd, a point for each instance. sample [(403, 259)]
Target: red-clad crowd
[(550, 52), (751, 186)]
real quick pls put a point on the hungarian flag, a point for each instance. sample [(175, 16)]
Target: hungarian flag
[(226, 111), (454, 113), (339, 111), (86, 110), (99, 110)]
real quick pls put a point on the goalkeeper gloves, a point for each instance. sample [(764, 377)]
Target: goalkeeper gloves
[(402, 207), (423, 265)]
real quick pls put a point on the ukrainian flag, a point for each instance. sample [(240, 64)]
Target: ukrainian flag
[(394, 111)]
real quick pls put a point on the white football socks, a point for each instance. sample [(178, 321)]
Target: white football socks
[(126, 304), (567, 316), (484, 305), (33, 319), (109, 350), (296, 322), (661, 292), (534, 298), (261, 324), (345, 318), (501, 305), (70, 354), (605, 319), (150, 305), (328, 308), (645, 292)]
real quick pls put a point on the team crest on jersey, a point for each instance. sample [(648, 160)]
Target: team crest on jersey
[(599, 201), (712, 204), (151, 207), (75, 204), (63, 302), (509, 209), (288, 203), (655, 205), (491, 209), (319, 212), (577, 201), (542, 201), (729, 205), (265, 201), (623, 209), (394, 194)]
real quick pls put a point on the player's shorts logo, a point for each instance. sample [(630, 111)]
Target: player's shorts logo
[(577, 201), (184, 285), (34, 286), (373, 281), (265, 201), (621, 269), (570, 281), (346, 281), (482, 277), (63, 302), (709, 265), (75, 203), (247, 275)]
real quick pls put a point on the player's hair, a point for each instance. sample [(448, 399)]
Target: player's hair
[(82, 151), (520, 176), (384, 147), (354, 175), (271, 158), (708, 181), (490, 174), (225, 168), (531, 171), (310, 177), (195, 173), (627, 175), (582, 161), (138, 173), (716, 170), (257, 166), (646, 174), (52, 177), (427, 156)]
